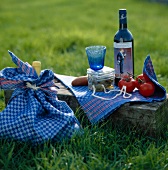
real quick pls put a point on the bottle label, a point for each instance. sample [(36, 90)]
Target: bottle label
[(123, 61)]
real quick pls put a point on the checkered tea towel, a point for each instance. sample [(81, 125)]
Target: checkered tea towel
[(34, 113), (97, 109)]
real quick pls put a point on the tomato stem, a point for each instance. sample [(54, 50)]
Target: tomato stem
[(140, 80)]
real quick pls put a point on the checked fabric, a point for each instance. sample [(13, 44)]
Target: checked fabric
[(97, 109), (34, 114)]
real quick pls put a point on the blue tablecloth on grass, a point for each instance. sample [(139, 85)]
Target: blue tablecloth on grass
[(34, 114), (97, 109)]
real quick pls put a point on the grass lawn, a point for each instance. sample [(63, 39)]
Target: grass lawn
[(56, 32)]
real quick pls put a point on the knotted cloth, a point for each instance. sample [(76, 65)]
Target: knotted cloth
[(97, 109), (34, 113)]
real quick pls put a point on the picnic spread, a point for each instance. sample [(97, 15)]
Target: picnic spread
[(98, 109), (35, 114)]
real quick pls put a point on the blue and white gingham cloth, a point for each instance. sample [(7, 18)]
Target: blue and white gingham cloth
[(34, 115), (97, 109)]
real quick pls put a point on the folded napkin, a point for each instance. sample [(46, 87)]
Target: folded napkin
[(34, 113), (97, 109)]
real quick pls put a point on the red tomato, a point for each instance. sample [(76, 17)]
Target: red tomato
[(147, 79), (142, 78), (147, 89), (137, 84), (128, 82)]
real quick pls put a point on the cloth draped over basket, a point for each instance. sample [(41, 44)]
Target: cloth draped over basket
[(97, 109), (34, 113)]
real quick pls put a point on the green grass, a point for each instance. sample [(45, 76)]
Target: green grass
[(56, 32)]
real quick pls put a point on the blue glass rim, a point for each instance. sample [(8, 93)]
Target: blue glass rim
[(96, 47)]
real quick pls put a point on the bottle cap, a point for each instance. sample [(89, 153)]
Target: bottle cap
[(37, 66), (123, 11)]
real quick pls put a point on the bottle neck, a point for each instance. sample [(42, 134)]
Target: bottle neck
[(122, 20), (122, 26), (37, 66)]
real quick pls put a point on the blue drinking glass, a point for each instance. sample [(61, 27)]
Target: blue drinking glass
[(96, 55)]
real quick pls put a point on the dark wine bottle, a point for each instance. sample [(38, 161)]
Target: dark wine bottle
[(123, 49)]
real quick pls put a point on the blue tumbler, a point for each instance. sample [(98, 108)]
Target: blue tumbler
[(96, 56)]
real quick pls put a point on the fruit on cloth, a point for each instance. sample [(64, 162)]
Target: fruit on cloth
[(147, 89), (142, 82), (128, 82), (143, 78), (140, 79)]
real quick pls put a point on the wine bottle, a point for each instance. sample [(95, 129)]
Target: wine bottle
[(123, 49), (37, 66)]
